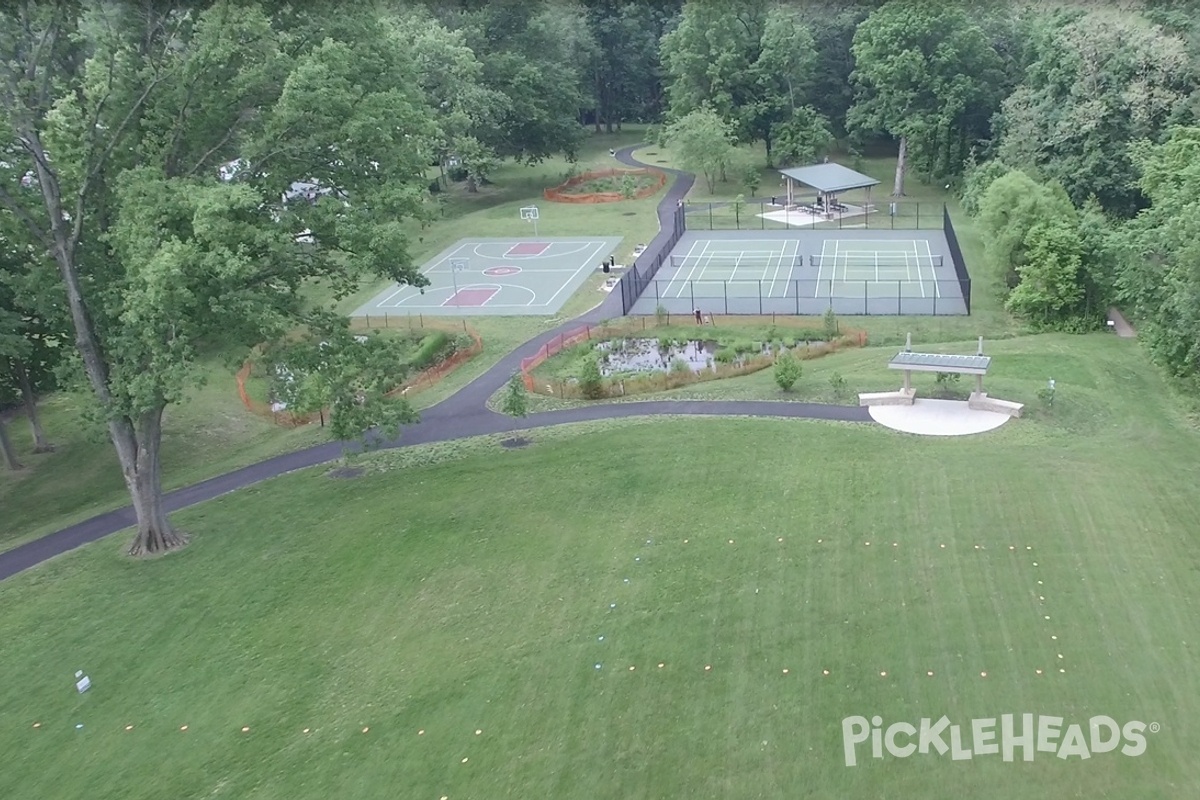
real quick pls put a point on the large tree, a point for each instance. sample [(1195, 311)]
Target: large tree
[(625, 72), (1012, 205), (1159, 272), (1097, 81), (533, 54), (926, 75), (35, 331), (123, 113), (750, 61)]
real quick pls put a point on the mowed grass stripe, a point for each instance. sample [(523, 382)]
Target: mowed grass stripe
[(470, 595)]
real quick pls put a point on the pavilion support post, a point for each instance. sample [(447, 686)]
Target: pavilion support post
[(907, 381), (978, 384)]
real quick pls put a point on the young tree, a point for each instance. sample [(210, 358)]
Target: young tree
[(122, 115), (788, 370), (516, 400), (703, 143)]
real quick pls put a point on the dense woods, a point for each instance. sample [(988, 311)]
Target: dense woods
[(1071, 132)]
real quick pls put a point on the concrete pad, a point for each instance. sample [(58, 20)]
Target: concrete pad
[(937, 418)]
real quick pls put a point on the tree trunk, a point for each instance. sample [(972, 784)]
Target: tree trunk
[(6, 448), (599, 96), (139, 444), (901, 165), (472, 184), (40, 443)]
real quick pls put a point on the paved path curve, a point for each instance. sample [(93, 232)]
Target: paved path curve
[(460, 416)]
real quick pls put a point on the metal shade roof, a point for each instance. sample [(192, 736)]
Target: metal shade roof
[(936, 362), (829, 177)]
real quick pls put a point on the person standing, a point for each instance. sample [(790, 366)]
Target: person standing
[(699, 317)]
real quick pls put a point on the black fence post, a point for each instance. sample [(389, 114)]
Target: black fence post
[(762, 216), (797, 288), (760, 298), (899, 301), (865, 288), (725, 294)]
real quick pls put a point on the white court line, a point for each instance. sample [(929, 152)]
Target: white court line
[(937, 293), (666, 292), (427, 271), (792, 268), (917, 256), (567, 282), (821, 265), (775, 277), (692, 271), (740, 256)]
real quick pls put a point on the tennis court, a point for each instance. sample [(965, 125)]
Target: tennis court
[(497, 277), (807, 272), (881, 264)]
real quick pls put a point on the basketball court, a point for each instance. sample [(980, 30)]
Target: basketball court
[(498, 277), (807, 272)]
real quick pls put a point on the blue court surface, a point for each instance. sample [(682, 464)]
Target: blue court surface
[(498, 277)]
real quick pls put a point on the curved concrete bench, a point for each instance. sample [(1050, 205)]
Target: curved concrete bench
[(900, 398), (981, 402)]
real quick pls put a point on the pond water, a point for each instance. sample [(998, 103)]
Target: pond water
[(651, 355)]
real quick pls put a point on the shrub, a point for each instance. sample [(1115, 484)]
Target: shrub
[(725, 355), (591, 384), (680, 366), (457, 174), (787, 372), (660, 314), (1046, 393), (838, 384), (431, 347)]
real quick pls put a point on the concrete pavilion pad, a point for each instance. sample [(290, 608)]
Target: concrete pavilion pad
[(937, 418)]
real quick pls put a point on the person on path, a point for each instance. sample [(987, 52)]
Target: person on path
[(699, 317)]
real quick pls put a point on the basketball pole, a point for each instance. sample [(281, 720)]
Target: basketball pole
[(456, 265)]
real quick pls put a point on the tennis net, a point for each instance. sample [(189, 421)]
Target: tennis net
[(885, 259), (731, 262)]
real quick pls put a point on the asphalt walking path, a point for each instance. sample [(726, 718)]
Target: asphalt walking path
[(463, 415)]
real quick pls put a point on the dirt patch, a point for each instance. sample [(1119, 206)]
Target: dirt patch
[(346, 472), (515, 442)]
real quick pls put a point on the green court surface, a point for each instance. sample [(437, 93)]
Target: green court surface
[(807, 272), (497, 277)]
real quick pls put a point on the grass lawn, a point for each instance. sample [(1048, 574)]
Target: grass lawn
[(435, 625), (208, 434)]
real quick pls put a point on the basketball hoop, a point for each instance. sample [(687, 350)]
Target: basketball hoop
[(530, 213)]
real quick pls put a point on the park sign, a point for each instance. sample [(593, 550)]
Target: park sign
[(1028, 733)]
